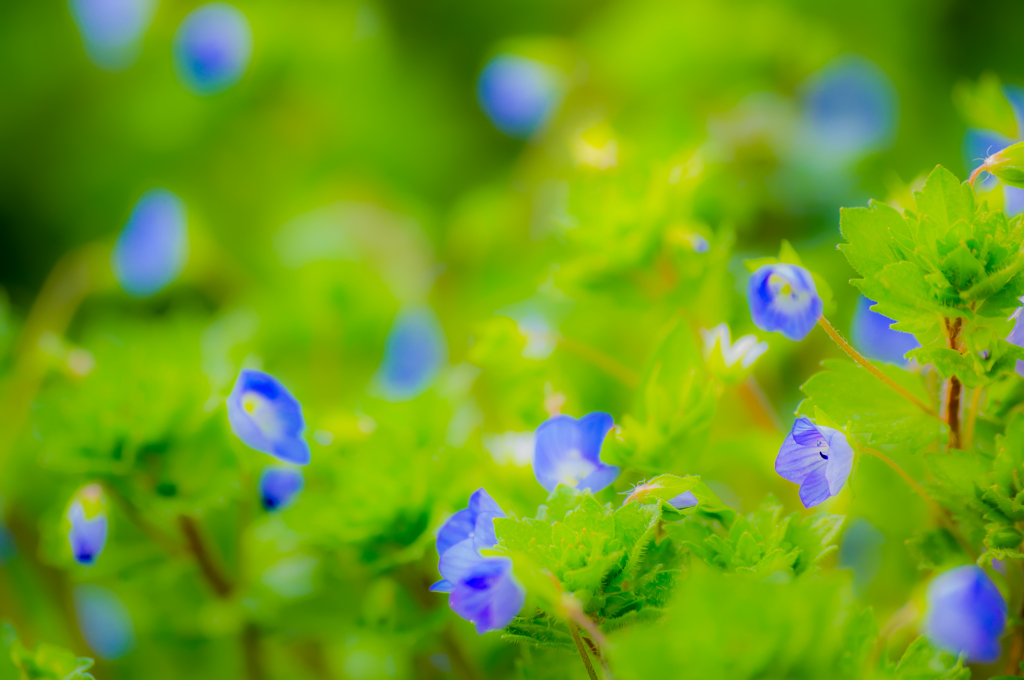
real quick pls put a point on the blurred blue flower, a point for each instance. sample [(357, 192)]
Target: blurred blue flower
[(816, 457), (1016, 335), (414, 352), (966, 613), (152, 248), (105, 622), (212, 48), (265, 415), (483, 590), (980, 144), (872, 335), (87, 517), (8, 549), (849, 109), (518, 94), (568, 451), (861, 551), (783, 298), (279, 486), (112, 30)]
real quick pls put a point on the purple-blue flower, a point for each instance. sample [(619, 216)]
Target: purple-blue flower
[(279, 486), (872, 334), (152, 248), (684, 500), (112, 29), (966, 613), (1016, 336), (568, 451), (87, 517), (105, 622), (212, 48), (518, 94), (483, 590), (265, 415), (816, 457), (979, 144), (414, 352), (783, 298)]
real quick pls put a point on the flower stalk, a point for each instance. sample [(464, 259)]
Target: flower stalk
[(575, 630)]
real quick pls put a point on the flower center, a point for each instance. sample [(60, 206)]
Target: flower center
[(573, 467)]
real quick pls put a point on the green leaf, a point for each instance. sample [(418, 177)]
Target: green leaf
[(983, 105), (945, 200)]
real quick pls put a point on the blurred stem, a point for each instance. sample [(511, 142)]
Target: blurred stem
[(73, 277), (972, 416), (612, 367), (155, 533), (574, 629), (596, 651), (757, 402), (953, 400), (211, 571), (252, 652), (937, 509), (873, 370)]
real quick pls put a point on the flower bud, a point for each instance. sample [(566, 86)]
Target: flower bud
[(87, 516), (1006, 165)]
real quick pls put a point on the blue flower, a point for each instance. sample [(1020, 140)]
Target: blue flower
[(483, 590), (849, 109), (816, 457), (783, 298), (279, 486), (112, 29), (265, 415), (518, 94), (87, 517), (966, 613), (104, 621), (414, 352), (872, 334), (979, 144), (684, 500), (1016, 335), (567, 451), (152, 248), (212, 48)]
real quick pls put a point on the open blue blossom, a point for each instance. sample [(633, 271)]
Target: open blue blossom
[(483, 590), (872, 334), (212, 48), (265, 415), (783, 298), (816, 457), (568, 451), (979, 144), (518, 94), (279, 486), (849, 109), (414, 352), (105, 622), (152, 248), (87, 517), (112, 30), (966, 613)]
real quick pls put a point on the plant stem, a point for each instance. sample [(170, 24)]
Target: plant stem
[(252, 652), (873, 370), (218, 582), (755, 400), (612, 367), (939, 511), (972, 416), (596, 651), (574, 629), (953, 400)]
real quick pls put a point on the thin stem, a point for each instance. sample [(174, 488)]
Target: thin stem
[(953, 400), (609, 365), (977, 171), (252, 652), (972, 416), (596, 651), (155, 533), (755, 400), (574, 629), (218, 582), (873, 370), (939, 511)]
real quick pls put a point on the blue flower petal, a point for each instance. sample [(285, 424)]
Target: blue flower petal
[(458, 560), (279, 486), (112, 30), (87, 537), (840, 459), (783, 298), (414, 353), (966, 613), (1013, 200), (488, 595), (104, 621), (517, 94), (152, 248), (442, 586), (684, 500), (872, 334), (265, 415), (814, 489), (567, 451), (212, 48), (475, 521), (800, 453)]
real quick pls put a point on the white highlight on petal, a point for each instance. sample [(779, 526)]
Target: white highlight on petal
[(572, 468)]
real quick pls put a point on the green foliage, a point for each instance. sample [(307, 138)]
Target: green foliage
[(45, 662)]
